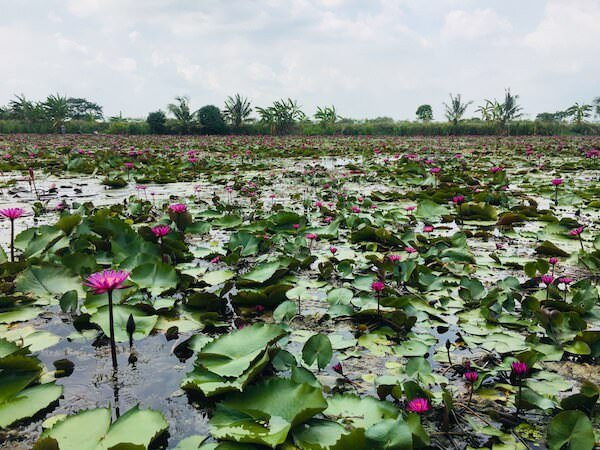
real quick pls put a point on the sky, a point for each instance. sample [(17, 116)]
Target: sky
[(368, 58)]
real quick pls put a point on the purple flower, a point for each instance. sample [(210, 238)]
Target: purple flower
[(394, 258), (553, 261), (378, 286), (458, 199), (338, 368), (106, 280), (418, 405), (161, 230), (547, 279), (471, 376), (519, 368), (576, 231), (557, 181), (178, 208), (12, 213)]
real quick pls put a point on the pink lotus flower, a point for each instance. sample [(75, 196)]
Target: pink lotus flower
[(215, 260), (418, 405), (378, 286), (161, 230), (355, 209), (128, 165), (12, 213), (328, 219), (576, 231), (553, 261), (519, 368), (311, 236), (337, 368), (410, 250), (496, 169), (333, 250), (394, 258), (499, 246), (296, 226), (410, 208), (471, 376), (557, 181), (435, 170), (458, 199), (318, 204), (178, 208), (547, 279), (106, 280), (428, 228)]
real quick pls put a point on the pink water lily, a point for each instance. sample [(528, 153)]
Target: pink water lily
[(161, 230), (12, 213), (178, 208), (418, 405), (106, 280)]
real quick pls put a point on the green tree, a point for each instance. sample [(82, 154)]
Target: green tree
[(596, 103), (156, 121), (237, 110), (22, 109), (182, 112), (211, 120), (83, 109), (510, 109), (424, 113), (281, 116), (456, 109), (579, 112), (57, 110), (487, 110), (327, 116)]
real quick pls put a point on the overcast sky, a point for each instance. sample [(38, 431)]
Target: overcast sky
[(367, 57)]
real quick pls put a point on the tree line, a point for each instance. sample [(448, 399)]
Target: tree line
[(283, 116)]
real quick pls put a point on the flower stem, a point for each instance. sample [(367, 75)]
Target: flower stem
[(12, 240), (111, 323)]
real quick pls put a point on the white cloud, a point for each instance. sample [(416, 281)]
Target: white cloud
[(382, 57), (474, 24)]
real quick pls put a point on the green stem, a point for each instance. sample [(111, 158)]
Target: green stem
[(111, 322)]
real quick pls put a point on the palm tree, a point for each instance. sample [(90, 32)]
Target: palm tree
[(282, 115), (237, 109), (510, 109), (181, 111), (456, 109), (579, 112), (23, 109), (326, 116), (487, 110), (57, 109), (267, 116), (596, 103)]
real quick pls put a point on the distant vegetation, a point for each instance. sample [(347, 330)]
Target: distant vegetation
[(58, 113)]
